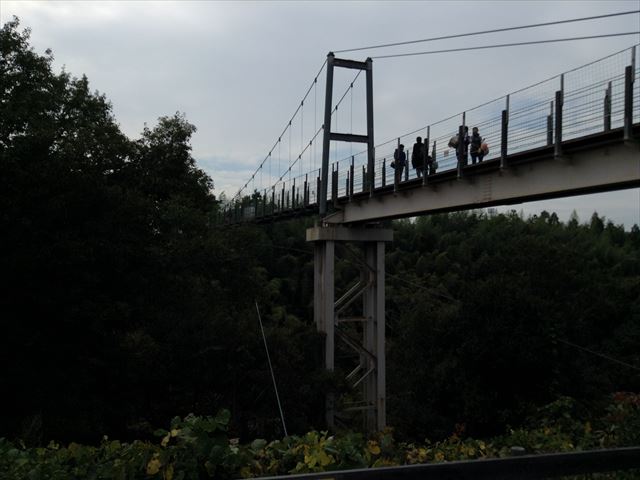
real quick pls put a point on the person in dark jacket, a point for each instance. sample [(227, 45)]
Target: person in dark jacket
[(399, 162), (477, 153), (417, 157)]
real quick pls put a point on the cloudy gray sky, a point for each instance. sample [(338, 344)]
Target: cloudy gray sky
[(238, 70)]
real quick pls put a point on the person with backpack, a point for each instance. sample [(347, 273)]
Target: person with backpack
[(477, 152), (431, 161), (399, 162), (418, 156)]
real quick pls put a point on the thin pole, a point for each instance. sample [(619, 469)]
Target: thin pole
[(275, 387)]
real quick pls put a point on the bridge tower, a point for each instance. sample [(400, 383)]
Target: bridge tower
[(357, 318)]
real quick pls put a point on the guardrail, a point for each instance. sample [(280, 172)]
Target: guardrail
[(512, 468)]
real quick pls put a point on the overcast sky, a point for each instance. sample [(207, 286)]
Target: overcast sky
[(238, 70)]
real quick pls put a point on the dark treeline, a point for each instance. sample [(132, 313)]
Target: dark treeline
[(123, 305), (522, 289)]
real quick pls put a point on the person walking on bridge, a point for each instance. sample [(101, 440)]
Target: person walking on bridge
[(418, 156), (399, 162), (477, 153)]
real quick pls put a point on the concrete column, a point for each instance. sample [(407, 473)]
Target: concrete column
[(371, 370), (369, 333), (323, 300), (327, 303), (380, 324)]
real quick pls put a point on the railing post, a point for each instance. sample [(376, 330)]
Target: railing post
[(334, 184), (559, 104), (433, 158), (504, 135), (318, 187), (460, 149), (558, 125), (607, 108), (255, 204), (425, 155), (628, 102), (351, 172), (264, 203), (282, 198), (384, 172), (364, 178), (337, 183), (273, 199), (346, 186), (550, 125), (503, 140), (406, 167), (293, 194), (397, 165)]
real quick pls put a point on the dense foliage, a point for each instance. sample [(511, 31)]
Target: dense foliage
[(199, 447), (122, 304), (527, 295)]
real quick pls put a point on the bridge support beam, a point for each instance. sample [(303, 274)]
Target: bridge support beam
[(356, 320), (599, 165)]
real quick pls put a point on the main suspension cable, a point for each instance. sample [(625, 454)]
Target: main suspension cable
[(534, 42), (505, 29)]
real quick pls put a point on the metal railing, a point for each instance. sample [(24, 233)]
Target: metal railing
[(594, 98), (512, 468)]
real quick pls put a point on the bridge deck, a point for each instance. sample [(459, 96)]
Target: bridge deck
[(595, 163)]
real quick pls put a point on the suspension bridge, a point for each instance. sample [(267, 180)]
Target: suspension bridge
[(575, 133), (573, 117)]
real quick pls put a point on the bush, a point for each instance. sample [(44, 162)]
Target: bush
[(199, 447)]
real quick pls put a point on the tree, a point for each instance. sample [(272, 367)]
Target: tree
[(163, 164), (100, 248), (121, 305)]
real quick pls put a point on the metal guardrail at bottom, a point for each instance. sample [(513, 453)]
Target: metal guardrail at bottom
[(520, 467)]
